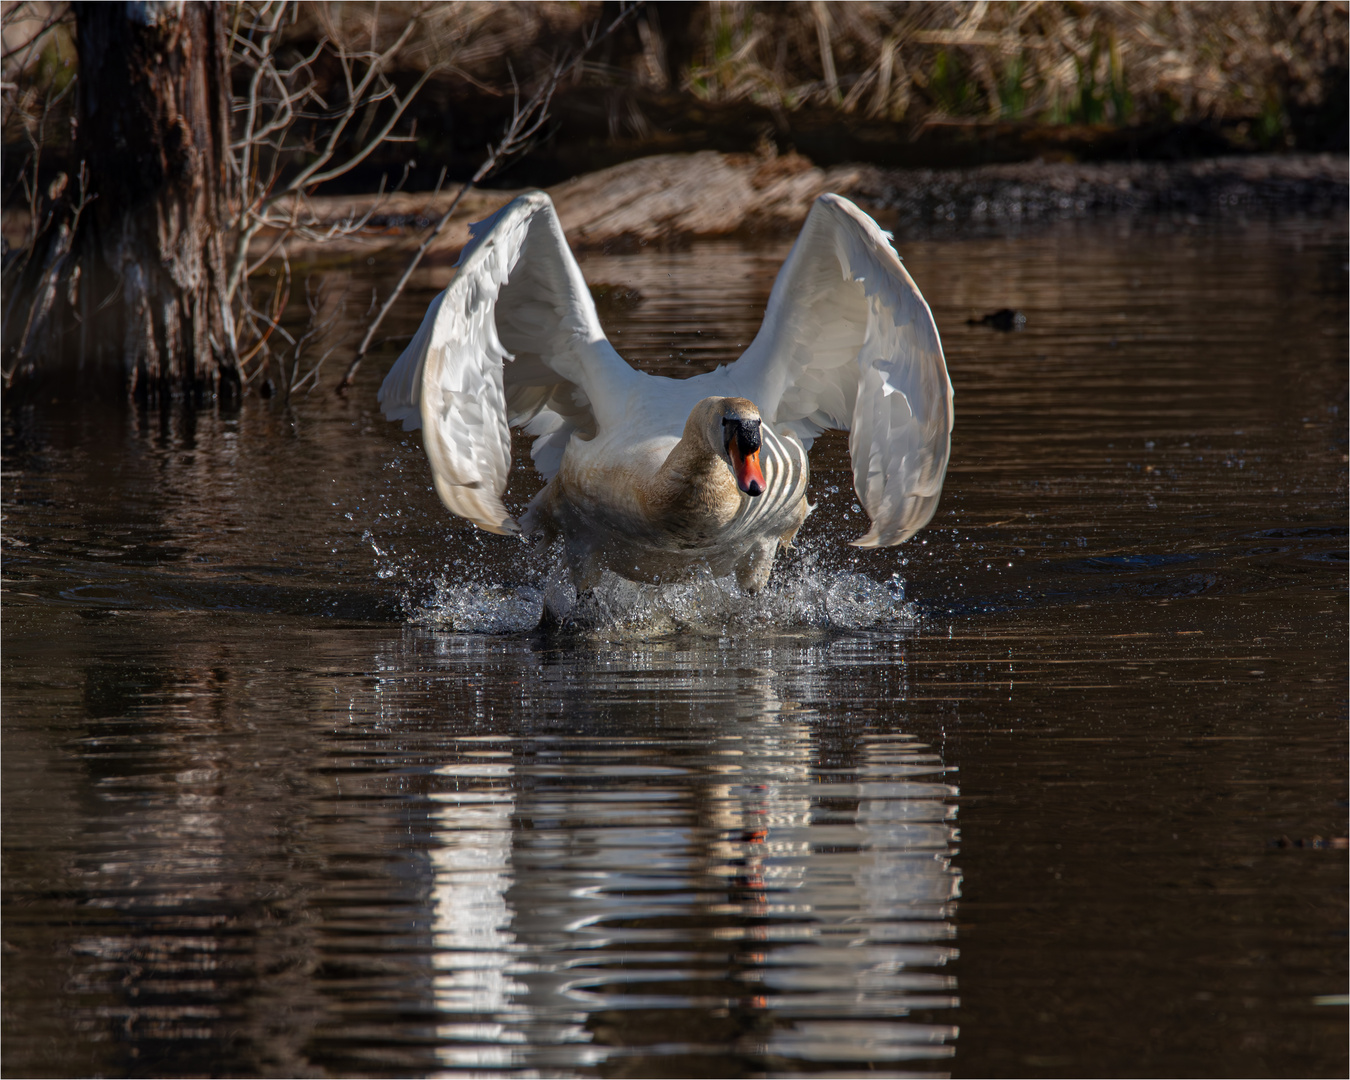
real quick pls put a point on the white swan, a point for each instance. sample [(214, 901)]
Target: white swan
[(650, 476)]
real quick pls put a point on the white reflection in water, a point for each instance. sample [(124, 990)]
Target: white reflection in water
[(478, 961), (471, 936), (746, 901), (882, 911)]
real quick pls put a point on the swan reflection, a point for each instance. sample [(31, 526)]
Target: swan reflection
[(742, 881), (473, 945)]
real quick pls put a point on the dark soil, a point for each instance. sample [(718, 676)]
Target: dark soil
[(997, 195)]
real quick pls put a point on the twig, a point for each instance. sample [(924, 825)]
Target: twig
[(525, 124), (291, 135), (52, 19), (318, 328), (280, 298), (279, 98)]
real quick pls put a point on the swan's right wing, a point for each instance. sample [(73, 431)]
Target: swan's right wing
[(848, 342), (514, 341)]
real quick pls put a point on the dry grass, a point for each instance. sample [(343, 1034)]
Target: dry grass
[(930, 61), (470, 39), (1116, 62)]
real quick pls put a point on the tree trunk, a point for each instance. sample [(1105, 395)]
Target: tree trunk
[(135, 283)]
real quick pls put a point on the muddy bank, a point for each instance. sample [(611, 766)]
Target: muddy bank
[(1001, 195), (673, 198)]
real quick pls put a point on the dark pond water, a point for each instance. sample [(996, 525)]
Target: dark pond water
[(291, 788)]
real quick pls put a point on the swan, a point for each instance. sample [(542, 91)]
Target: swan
[(653, 477)]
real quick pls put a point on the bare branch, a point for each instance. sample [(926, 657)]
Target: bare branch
[(319, 328), (277, 123), (381, 136), (355, 94), (60, 12), (525, 123), (44, 291)]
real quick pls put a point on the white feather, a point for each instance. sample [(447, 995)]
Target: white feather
[(514, 341), (848, 342)]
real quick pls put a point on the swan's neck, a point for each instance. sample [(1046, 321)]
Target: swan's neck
[(693, 487)]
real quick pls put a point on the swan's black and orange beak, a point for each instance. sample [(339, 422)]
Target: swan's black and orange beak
[(743, 449)]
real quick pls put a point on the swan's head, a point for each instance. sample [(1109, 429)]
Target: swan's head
[(731, 426)]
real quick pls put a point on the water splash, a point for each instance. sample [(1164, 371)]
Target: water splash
[(452, 577), (479, 608), (801, 595)]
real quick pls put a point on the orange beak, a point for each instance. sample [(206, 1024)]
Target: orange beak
[(749, 476)]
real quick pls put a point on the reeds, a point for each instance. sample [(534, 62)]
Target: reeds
[(1063, 62), (1114, 62)]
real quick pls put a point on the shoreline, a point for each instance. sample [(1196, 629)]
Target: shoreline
[(680, 198)]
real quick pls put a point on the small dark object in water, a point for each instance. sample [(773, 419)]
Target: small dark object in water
[(266, 390), (1003, 319)]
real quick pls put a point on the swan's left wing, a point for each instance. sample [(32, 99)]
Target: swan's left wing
[(514, 341), (848, 342)]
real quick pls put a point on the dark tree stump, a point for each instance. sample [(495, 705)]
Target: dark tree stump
[(139, 288)]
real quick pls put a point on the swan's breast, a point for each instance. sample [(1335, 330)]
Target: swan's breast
[(602, 481), (786, 472), (605, 489)]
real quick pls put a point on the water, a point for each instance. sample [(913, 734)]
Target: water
[(1057, 788)]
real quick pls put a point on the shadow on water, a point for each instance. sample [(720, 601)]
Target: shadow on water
[(292, 786)]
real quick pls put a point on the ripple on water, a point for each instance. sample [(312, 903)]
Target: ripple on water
[(734, 900)]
